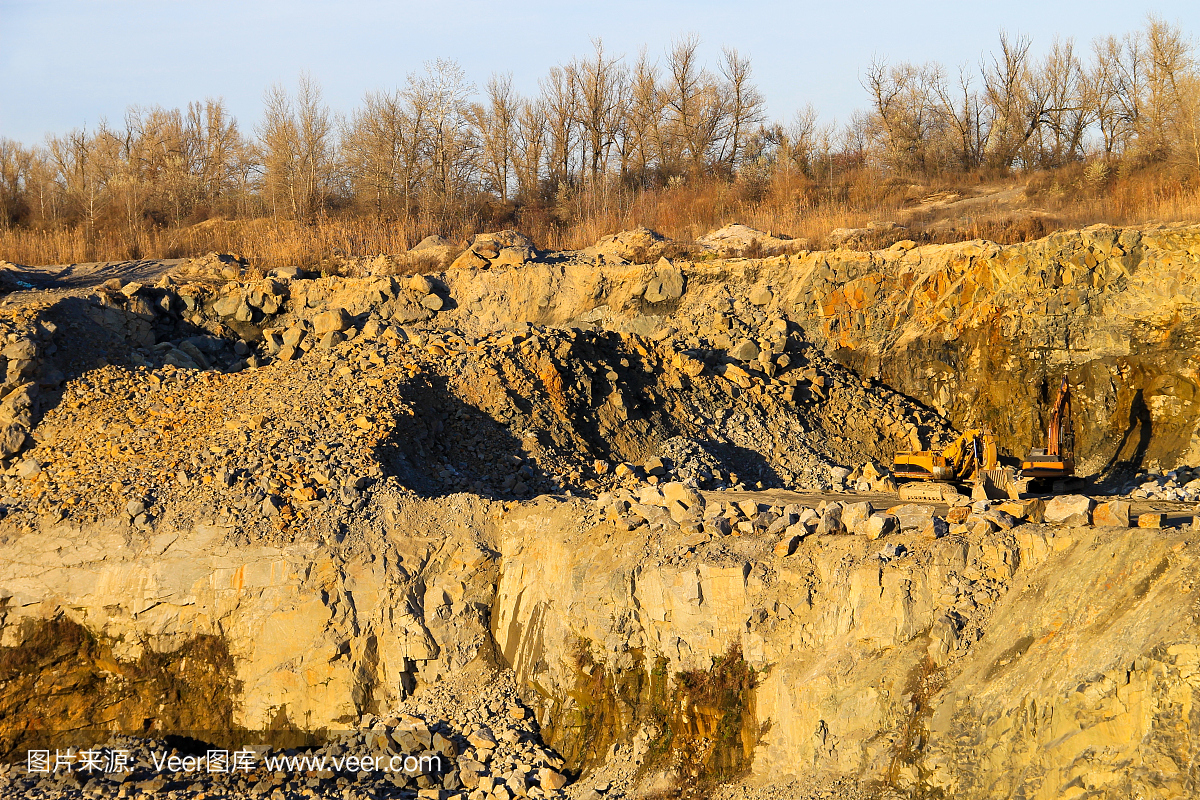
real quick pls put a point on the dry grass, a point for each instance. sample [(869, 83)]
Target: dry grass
[(791, 207)]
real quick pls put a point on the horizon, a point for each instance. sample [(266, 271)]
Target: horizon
[(40, 98)]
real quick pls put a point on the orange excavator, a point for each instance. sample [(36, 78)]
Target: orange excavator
[(1056, 461)]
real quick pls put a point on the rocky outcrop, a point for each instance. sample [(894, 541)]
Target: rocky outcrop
[(501, 249)]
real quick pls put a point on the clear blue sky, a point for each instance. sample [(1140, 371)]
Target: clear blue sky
[(66, 63)]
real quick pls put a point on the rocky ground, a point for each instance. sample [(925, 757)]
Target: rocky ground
[(511, 514)]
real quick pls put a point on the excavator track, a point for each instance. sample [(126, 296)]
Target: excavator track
[(927, 492)]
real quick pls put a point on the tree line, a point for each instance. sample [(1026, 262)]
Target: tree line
[(603, 126)]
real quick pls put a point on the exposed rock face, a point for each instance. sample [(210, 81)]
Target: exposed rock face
[(321, 493), (981, 332), (1025, 684), (299, 620), (955, 325)]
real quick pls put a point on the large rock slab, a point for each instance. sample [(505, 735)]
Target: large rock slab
[(1069, 509)]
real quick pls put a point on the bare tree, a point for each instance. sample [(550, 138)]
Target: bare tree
[(687, 83), (297, 142), (1014, 101), (603, 95), (644, 118), (1115, 112), (15, 166), (560, 102), (745, 102), (1067, 112), (529, 144), (1167, 59), (441, 97), (905, 109), (81, 173), (496, 123), (963, 120), (381, 151)]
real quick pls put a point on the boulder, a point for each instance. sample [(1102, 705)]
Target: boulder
[(1113, 514), (1001, 519), (735, 375), (550, 780), (666, 283), (287, 273), (737, 239), (748, 508), (435, 248), (912, 516), (936, 528), (855, 516), (787, 545), (12, 439), (293, 336), (880, 525), (1069, 509), (744, 350), (831, 520), (838, 476), (958, 514), (22, 349), (638, 246), (681, 493), (228, 305), (333, 319), (761, 296), (1032, 510), (498, 249), (1151, 520), (717, 526), (419, 285)]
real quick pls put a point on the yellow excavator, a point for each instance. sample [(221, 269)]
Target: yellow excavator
[(1056, 461), (971, 458)]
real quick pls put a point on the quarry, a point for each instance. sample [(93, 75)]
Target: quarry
[(607, 523)]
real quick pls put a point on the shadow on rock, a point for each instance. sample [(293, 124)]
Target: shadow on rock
[(450, 446)]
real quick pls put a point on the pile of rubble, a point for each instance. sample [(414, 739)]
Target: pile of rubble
[(1181, 483)]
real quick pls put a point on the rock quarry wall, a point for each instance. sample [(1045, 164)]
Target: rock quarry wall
[(1037, 662), (1041, 661)]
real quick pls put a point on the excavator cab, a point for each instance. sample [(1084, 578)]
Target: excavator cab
[(1056, 460)]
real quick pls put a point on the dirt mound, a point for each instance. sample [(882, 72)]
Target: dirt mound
[(742, 240), (434, 252), (214, 266)]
